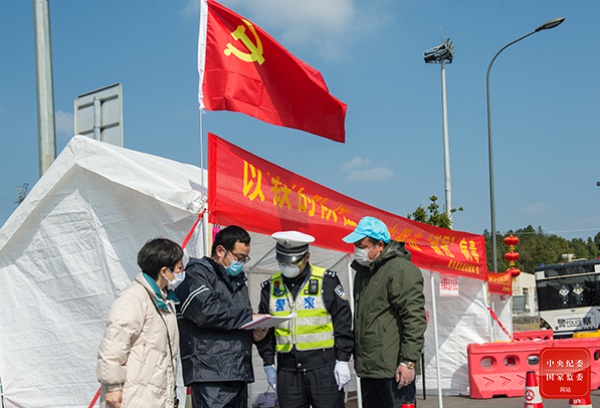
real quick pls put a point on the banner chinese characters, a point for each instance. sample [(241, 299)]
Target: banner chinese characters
[(245, 190), (500, 283)]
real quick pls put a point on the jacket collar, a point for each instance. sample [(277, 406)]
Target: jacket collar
[(155, 292), (233, 282)]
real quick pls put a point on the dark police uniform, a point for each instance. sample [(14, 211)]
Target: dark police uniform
[(306, 377)]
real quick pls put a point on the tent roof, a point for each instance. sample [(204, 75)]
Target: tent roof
[(172, 183)]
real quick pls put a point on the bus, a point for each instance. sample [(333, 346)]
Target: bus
[(569, 296)]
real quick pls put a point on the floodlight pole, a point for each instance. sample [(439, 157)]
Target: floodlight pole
[(45, 91), (447, 189), (546, 26), (440, 54)]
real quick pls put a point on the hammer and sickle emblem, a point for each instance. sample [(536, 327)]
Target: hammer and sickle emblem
[(256, 50)]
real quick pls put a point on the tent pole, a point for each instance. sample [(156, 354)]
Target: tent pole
[(487, 308), (435, 340), (205, 234), (204, 181), (351, 283)]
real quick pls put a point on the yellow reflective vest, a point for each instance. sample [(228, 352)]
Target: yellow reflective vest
[(312, 328)]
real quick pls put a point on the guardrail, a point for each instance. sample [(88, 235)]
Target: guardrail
[(499, 369)]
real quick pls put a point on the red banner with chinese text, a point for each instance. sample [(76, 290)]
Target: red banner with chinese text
[(500, 283), (245, 190)]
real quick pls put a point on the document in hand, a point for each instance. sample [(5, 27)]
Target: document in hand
[(267, 321)]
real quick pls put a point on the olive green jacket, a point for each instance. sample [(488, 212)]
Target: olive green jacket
[(389, 313)]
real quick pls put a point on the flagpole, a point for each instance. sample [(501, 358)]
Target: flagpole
[(351, 285), (201, 148), (204, 173), (202, 26), (436, 345)]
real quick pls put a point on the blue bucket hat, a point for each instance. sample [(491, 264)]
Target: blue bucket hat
[(369, 227)]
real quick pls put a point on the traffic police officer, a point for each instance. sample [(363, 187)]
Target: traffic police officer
[(314, 347)]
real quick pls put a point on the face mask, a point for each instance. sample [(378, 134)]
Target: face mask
[(289, 271), (234, 268), (178, 278), (361, 255)]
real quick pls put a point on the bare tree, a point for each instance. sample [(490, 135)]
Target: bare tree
[(22, 190)]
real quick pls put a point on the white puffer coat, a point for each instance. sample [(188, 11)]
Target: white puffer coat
[(134, 353)]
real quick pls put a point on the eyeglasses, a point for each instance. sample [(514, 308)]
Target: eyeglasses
[(240, 258)]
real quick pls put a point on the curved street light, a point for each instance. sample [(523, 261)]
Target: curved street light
[(546, 26)]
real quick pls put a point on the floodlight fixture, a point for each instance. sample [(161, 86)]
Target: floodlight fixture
[(441, 53)]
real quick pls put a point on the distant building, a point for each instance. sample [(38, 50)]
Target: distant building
[(524, 299)]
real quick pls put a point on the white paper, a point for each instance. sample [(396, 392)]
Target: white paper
[(266, 321)]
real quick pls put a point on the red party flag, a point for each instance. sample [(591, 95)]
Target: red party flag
[(243, 69)]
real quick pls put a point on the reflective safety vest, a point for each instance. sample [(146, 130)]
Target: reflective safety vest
[(312, 328)]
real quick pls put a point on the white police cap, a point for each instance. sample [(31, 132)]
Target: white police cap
[(291, 245)]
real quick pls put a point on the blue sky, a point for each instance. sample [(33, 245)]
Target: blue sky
[(544, 98)]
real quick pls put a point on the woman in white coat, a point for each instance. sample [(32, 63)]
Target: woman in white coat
[(138, 354)]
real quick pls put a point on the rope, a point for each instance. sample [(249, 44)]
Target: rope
[(189, 235), (96, 397), (495, 317)]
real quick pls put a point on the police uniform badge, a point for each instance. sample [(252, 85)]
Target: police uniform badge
[(277, 289), (339, 290)]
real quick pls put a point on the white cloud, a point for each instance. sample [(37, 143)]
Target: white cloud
[(360, 169), (64, 124), (327, 27), (356, 162), (315, 24)]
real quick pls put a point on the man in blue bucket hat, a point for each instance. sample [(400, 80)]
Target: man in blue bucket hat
[(389, 316)]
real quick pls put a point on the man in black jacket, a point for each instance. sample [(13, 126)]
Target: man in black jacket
[(216, 356), (314, 347)]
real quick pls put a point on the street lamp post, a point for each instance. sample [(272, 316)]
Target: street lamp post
[(439, 55), (546, 26)]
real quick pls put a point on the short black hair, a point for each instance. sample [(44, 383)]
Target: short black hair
[(227, 238), (157, 253)]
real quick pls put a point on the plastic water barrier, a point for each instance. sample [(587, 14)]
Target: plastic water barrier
[(533, 335), (499, 369)]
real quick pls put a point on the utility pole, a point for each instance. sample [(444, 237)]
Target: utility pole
[(45, 90)]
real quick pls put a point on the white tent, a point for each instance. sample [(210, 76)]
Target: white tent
[(66, 252), (71, 246)]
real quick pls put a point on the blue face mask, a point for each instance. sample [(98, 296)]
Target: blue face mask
[(234, 268)]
